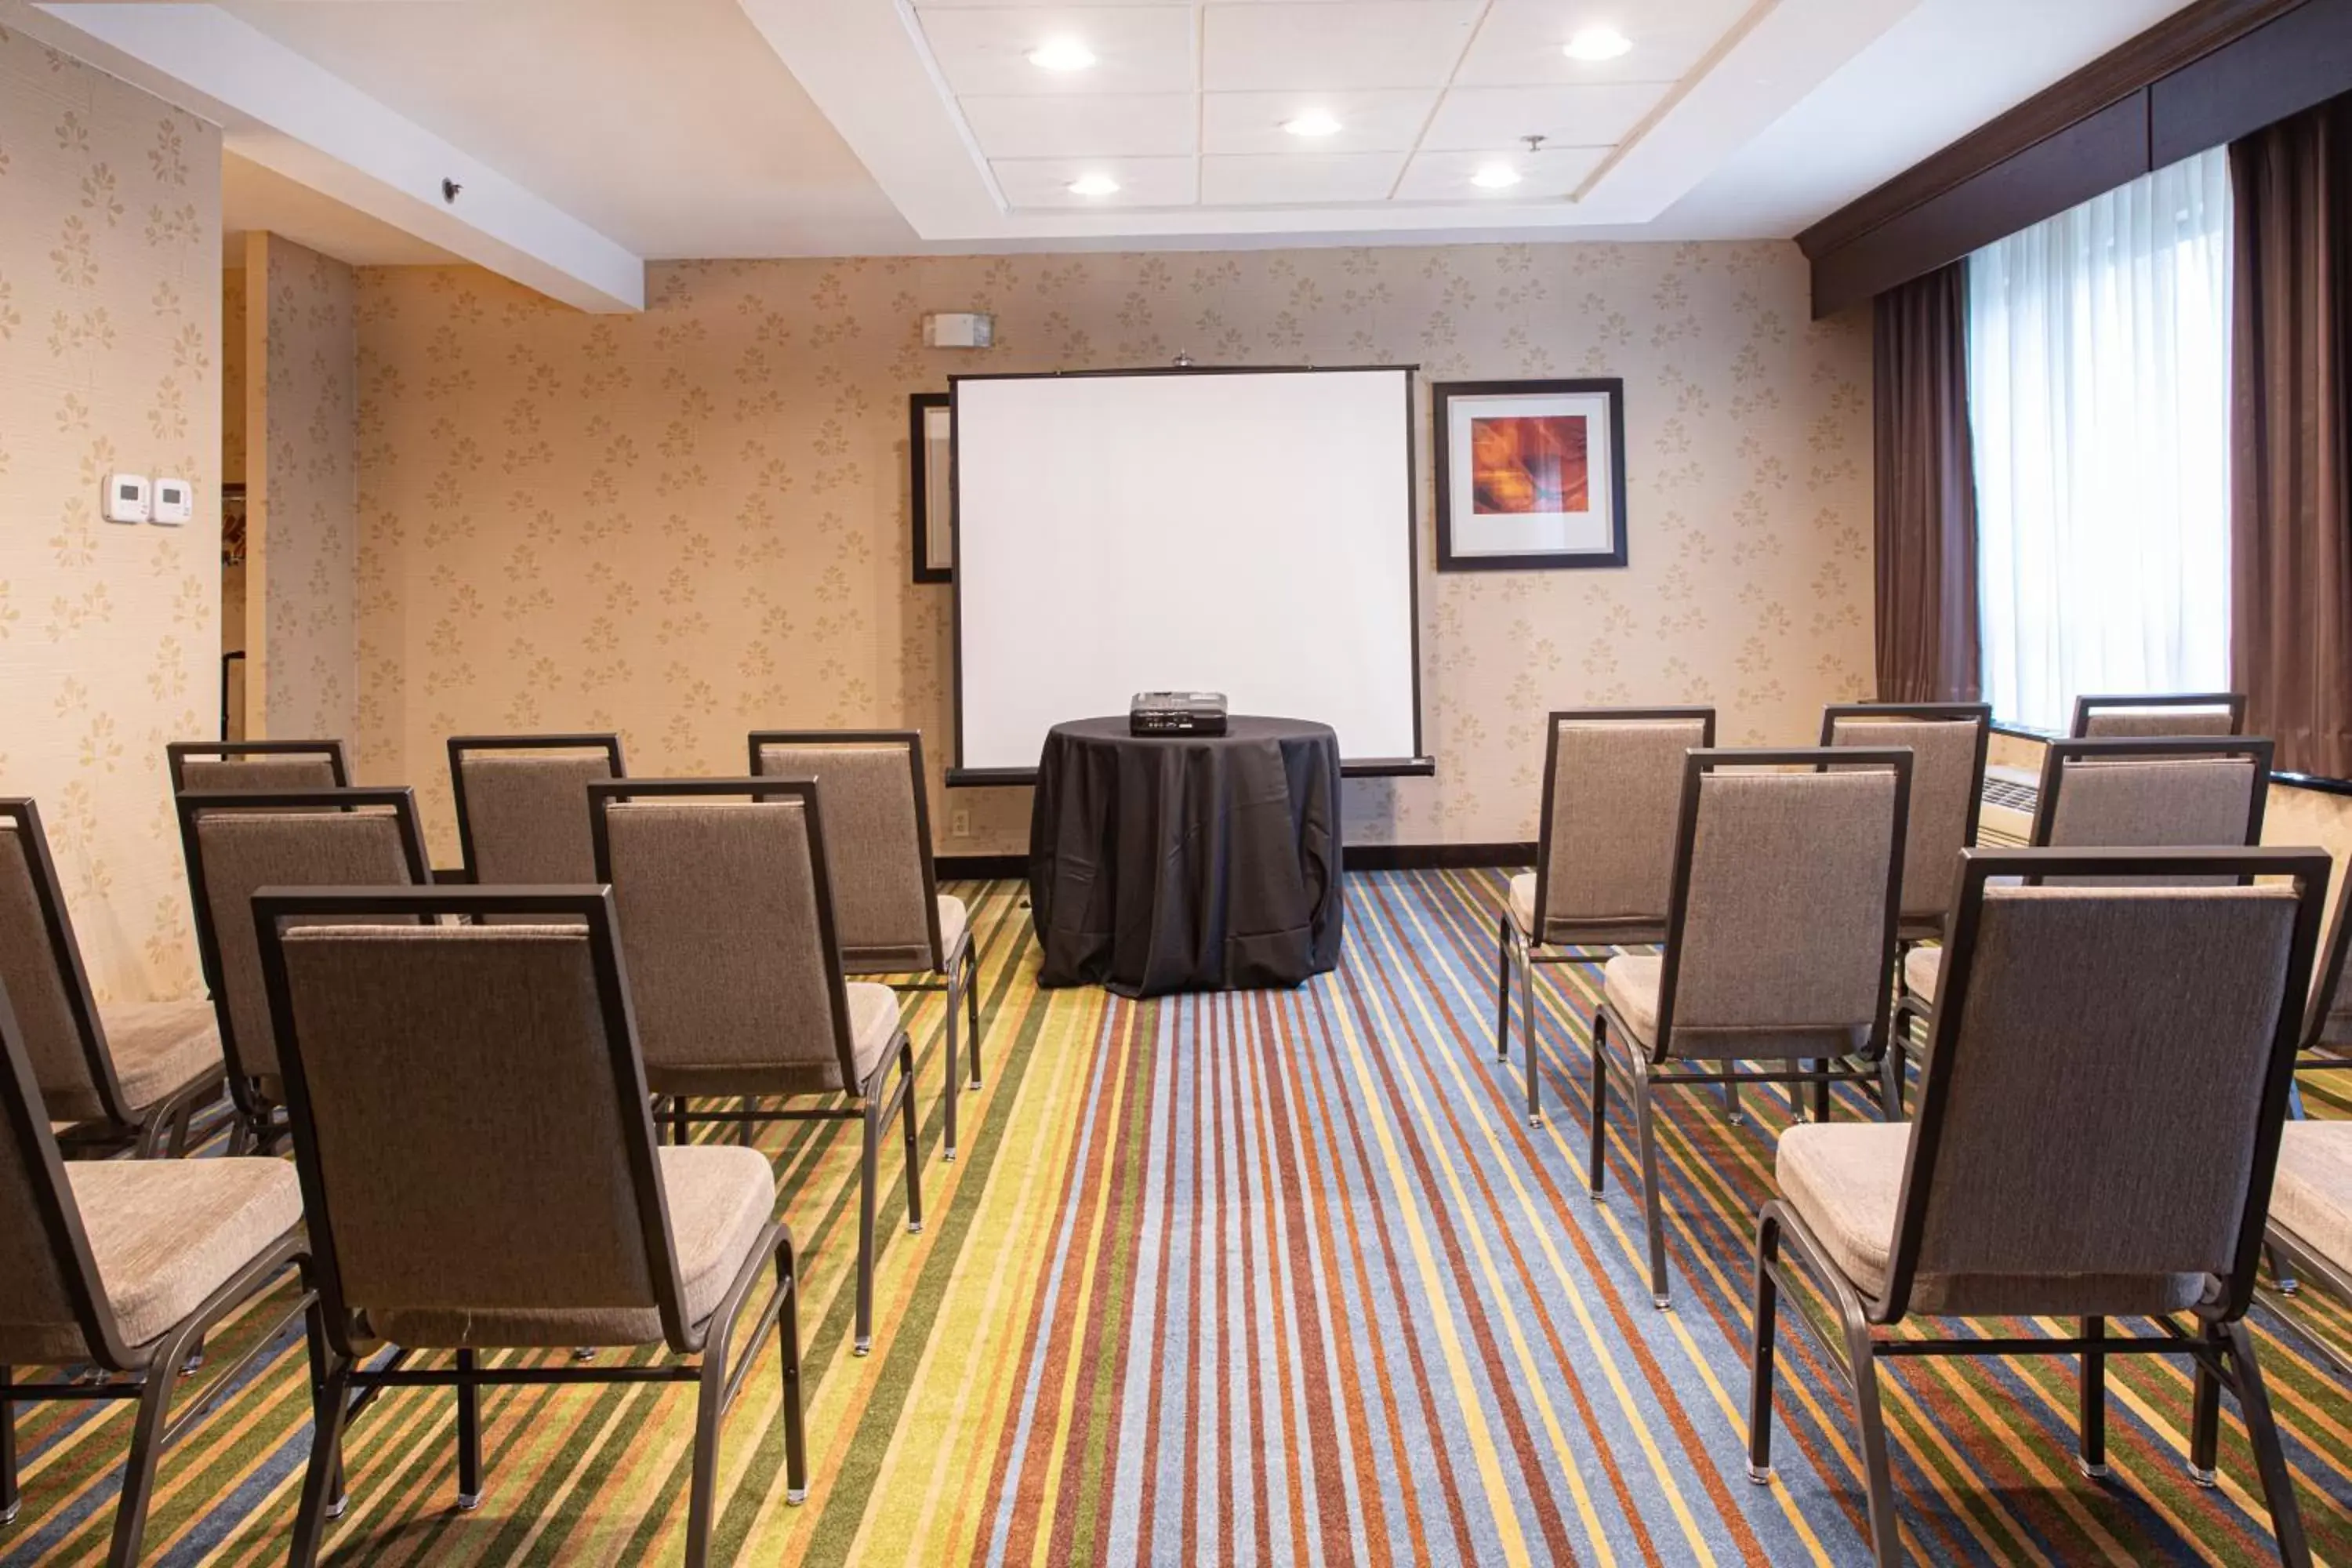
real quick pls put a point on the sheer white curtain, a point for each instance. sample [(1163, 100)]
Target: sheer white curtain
[(2098, 405)]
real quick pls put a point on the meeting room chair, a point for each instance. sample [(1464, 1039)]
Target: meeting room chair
[(120, 1267), (2123, 1177), (2205, 713), (726, 907), (120, 1072), (257, 765), (522, 806), (1780, 939), (446, 1219), (237, 844), (888, 907), (1947, 742), (2121, 792), (1612, 798)]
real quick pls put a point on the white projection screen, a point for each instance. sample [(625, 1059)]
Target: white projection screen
[(1243, 531)]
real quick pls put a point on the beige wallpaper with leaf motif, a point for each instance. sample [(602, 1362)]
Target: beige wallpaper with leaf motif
[(690, 522), (109, 323), (302, 548)]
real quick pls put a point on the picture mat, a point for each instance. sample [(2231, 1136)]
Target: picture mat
[(1591, 531)]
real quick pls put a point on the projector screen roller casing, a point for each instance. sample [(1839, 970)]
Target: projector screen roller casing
[(1243, 531)]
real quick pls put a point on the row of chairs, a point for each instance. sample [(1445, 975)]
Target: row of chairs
[(716, 959)]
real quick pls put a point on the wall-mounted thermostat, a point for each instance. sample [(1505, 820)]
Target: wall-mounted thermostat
[(126, 498), (962, 330), (175, 502)]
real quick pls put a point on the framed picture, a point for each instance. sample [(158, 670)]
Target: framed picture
[(927, 440), (1530, 474)]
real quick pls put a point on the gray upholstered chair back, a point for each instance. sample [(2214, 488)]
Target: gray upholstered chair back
[(40, 972), (876, 836), (234, 850), (2207, 713), (2327, 1021), (2174, 793), (2096, 1092), (256, 766), (1947, 788), (523, 809), (1784, 925), (1613, 802), (475, 1143), (41, 1282), (721, 902)]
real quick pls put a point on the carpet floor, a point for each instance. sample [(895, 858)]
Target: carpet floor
[(1261, 1277)]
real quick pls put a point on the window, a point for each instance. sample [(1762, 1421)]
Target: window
[(2099, 411)]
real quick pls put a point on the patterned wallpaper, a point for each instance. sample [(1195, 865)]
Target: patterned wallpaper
[(690, 522), (302, 552), (109, 323)]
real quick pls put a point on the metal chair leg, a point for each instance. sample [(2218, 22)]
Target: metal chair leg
[(1654, 1223), (1878, 1473), (469, 1436), (2270, 1457), (788, 1347), (323, 1481), (1528, 1021), (1759, 1365), (2091, 1401), (954, 1074), (11, 1499), (1502, 989), (861, 1338), (971, 1010), (914, 1141), (709, 1406), (1596, 1165), (2204, 1422)]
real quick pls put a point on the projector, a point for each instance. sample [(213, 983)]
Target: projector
[(1176, 713)]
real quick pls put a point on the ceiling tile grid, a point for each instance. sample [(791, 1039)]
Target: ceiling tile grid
[(1300, 104)]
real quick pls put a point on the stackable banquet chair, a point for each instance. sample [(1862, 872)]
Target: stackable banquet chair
[(236, 844), (522, 804), (2122, 792), (725, 897), (1780, 939), (121, 1072), (121, 1266), (1947, 742), (1612, 798), (888, 907), (257, 765), (2205, 713), (471, 1128), (2098, 1125)]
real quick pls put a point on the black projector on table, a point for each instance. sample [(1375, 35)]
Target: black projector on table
[(1176, 713)]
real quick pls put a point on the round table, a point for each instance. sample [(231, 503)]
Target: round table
[(1162, 862)]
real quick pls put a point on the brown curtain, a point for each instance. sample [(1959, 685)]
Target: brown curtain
[(1927, 501), (2291, 530)]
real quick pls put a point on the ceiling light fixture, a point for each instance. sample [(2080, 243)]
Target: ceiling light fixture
[(1597, 44), (1495, 177), (1061, 55), (1314, 122), (1094, 185)]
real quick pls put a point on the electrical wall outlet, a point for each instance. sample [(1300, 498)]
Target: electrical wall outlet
[(960, 824)]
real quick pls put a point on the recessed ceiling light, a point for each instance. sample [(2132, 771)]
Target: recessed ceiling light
[(1495, 177), (1314, 122), (1061, 55), (1093, 185), (1596, 44)]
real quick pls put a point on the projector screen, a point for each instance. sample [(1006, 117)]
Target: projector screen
[(1243, 531)]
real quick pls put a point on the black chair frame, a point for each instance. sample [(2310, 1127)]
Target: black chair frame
[(177, 752), (459, 746), (2234, 701)]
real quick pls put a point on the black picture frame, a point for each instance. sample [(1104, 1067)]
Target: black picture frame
[(922, 474), (1451, 463)]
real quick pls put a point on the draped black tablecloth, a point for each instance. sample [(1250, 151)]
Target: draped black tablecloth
[(1186, 863)]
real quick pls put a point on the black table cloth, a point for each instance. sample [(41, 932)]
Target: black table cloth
[(1162, 862)]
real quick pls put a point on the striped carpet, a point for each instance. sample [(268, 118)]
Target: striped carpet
[(1260, 1278)]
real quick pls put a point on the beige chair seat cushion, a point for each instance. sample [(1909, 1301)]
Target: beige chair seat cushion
[(1630, 984), (2312, 1194), (720, 1197), (1586, 933), (1844, 1181), (1922, 968), (165, 1234), (954, 919), (161, 1047), (873, 1024)]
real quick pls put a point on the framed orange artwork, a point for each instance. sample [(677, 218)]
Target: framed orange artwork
[(1530, 474)]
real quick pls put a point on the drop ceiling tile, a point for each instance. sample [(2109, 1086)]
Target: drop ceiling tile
[(1299, 179), (1370, 121), (1445, 176), (1520, 44), (1281, 44), (1137, 48), (1143, 182), (1599, 115), (1085, 125)]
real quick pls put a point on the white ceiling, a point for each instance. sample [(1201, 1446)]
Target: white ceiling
[(590, 135)]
